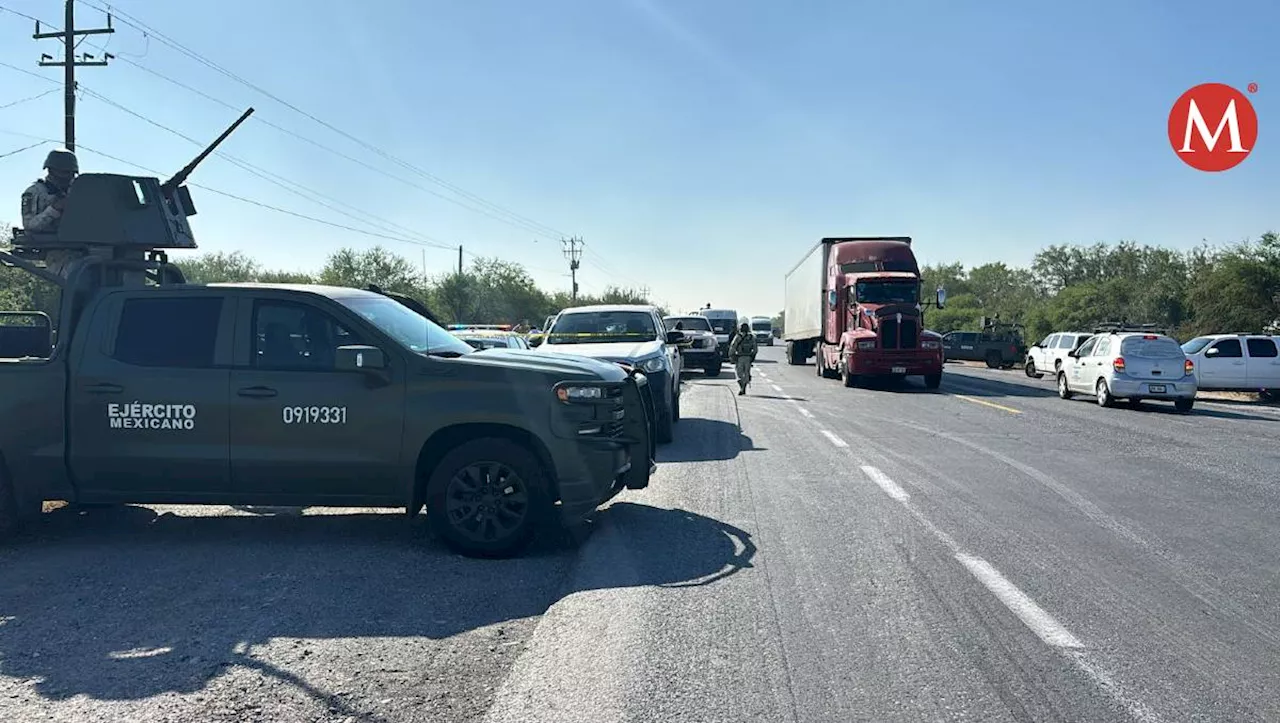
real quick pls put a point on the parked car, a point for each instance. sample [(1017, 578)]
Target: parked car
[(630, 334), (1134, 366), (1046, 357), (699, 349), (1236, 362)]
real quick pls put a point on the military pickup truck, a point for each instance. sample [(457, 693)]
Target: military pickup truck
[(162, 392)]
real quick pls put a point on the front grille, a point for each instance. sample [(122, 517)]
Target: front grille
[(896, 334), (889, 334)]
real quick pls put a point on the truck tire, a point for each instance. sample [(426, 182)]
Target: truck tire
[(849, 380), (13, 516), (665, 431), (933, 381), (1031, 371), (993, 360), (794, 356), (464, 483)]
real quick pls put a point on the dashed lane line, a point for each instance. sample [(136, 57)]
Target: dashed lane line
[(985, 403), (834, 439)]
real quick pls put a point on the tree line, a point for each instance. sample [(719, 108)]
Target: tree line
[(1066, 287), (489, 291)]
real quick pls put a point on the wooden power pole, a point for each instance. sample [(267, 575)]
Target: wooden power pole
[(70, 62)]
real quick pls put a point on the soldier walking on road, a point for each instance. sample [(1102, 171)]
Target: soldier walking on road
[(742, 352), (43, 201)]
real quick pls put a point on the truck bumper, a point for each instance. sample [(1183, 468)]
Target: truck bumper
[(598, 467), (884, 364), (701, 358)]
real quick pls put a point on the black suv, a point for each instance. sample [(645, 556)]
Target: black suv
[(999, 345)]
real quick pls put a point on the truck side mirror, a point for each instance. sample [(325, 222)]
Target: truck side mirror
[(941, 297), (359, 358), (1212, 352), (675, 337), (536, 339)]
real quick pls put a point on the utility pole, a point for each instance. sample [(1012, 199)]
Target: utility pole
[(644, 292), (573, 252), (69, 64), (459, 259)]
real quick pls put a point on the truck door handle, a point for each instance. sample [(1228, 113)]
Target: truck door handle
[(256, 392), (103, 388)]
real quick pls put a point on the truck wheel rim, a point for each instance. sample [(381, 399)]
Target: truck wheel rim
[(486, 501)]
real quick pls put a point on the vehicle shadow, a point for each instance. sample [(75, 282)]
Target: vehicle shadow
[(1156, 407), (773, 396), (702, 440), (984, 387), (127, 604)]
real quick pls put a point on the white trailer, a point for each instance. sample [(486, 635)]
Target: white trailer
[(803, 292)]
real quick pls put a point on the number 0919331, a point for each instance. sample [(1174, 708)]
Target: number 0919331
[(314, 415)]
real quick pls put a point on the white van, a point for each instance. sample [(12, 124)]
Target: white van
[(724, 322), (1236, 362)]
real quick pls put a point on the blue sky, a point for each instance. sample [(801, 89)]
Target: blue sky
[(699, 146)]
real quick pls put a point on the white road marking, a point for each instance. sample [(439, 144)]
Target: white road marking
[(890, 487), (805, 412), (776, 388), (834, 439), (1032, 615)]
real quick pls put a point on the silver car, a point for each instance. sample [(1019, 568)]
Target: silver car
[(1134, 366)]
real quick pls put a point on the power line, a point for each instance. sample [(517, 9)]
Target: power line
[(24, 71), (260, 204), (37, 96), (287, 184), (24, 148), (514, 219)]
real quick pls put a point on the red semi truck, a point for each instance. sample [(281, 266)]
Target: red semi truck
[(854, 302)]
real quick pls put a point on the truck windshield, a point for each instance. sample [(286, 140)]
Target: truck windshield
[(406, 326), (887, 292), (762, 325), (1196, 344), (688, 323), (602, 327)]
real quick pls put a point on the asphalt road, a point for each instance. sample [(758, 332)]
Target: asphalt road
[(986, 552)]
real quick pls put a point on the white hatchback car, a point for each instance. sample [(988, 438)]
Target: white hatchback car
[(1132, 366)]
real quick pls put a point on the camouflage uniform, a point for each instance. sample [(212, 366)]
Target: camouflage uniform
[(742, 352), (39, 212)]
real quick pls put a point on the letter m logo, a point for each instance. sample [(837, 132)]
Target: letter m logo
[(1213, 127)]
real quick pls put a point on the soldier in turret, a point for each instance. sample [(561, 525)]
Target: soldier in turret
[(43, 201)]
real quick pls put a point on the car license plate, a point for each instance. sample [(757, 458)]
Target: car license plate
[(1156, 388), (899, 370)]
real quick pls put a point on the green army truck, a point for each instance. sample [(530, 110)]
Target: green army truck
[(156, 391)]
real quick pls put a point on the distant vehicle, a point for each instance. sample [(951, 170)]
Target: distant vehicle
[(699, 349), (762, 327), (482, 339), (724, 322), (855, 303), (1132, 363), (999, 344), (630, 334), (1046, 357), (1236, 362)]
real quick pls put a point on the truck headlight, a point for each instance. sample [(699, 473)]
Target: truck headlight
[(930, 345), (578, 393), (653, 364), (868, 344)]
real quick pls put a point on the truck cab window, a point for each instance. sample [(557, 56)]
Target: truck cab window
[(288, 335), (168, 331)]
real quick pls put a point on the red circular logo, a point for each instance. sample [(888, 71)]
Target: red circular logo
[(1213, 127)]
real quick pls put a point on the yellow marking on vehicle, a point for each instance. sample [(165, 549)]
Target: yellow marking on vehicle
[(985, 403)]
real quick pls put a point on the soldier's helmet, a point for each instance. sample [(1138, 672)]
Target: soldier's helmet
[(62, 160)]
